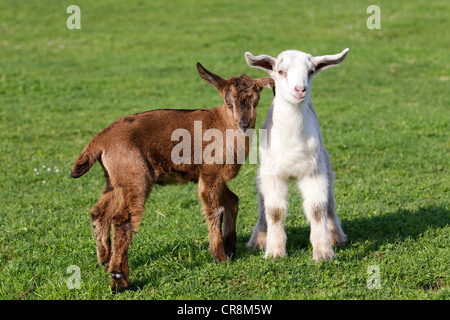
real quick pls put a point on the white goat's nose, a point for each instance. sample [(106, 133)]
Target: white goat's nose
[(300, 89)]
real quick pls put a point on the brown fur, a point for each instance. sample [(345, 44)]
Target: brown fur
[(135, 153), (277, 215)]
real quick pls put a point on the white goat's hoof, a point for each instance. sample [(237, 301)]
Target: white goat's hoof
[(338, 238), (257, 241), (275, 254), (327, 254)]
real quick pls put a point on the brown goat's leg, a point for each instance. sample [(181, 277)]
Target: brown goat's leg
[(101, 215), (210, 192), (125, 222), (229, 225)]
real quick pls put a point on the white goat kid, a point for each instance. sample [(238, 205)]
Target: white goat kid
[(295, 150)]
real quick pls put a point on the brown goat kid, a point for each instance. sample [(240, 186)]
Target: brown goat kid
[(136, 152)]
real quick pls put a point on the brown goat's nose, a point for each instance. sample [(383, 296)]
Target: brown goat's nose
[(244, 124)]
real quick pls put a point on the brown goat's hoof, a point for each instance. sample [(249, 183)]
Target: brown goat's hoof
[(119, 283), (221, 258)]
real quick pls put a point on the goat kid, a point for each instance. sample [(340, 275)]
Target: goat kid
[(295, 150), (135, 153)]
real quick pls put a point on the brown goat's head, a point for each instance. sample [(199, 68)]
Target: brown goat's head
[(240, 95)]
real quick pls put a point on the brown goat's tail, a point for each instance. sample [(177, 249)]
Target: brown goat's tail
[(85, 160)]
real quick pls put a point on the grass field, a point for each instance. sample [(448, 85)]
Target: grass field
[(384, 116)]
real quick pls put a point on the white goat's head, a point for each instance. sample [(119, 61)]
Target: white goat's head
[(293, 71)]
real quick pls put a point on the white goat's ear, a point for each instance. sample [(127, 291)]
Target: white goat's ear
[(263, 62), (323, 62), (218, 82)]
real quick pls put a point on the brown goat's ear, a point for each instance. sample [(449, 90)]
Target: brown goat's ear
[(218, 82), (268, 83)]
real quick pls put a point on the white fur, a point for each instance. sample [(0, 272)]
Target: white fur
[(295, 150)]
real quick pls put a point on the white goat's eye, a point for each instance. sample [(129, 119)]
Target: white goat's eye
[(282, 73)]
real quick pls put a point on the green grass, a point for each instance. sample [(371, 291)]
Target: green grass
[(384, 116)]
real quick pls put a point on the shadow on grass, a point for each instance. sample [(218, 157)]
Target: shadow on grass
[(378, 229)]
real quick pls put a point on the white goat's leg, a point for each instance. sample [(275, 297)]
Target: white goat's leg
[(258, 238), (274, 190), (314, 190), (338, 238)]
